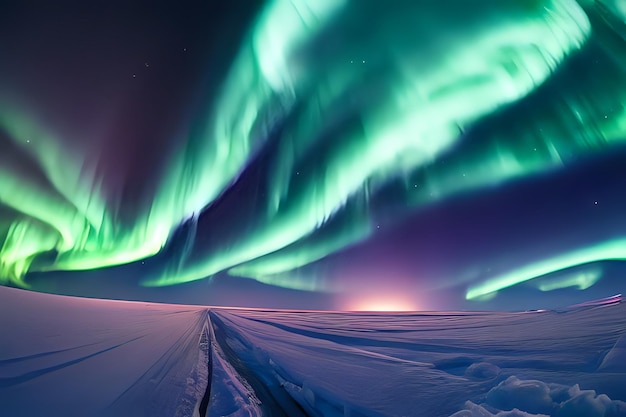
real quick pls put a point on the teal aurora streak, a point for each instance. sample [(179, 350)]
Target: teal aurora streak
[(377, 106)]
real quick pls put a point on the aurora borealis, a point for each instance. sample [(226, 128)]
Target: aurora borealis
[(454, 154)]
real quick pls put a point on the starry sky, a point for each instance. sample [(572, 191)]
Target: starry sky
[(328, 154)]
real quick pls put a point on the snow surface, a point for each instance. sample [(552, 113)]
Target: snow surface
[(63, 356)]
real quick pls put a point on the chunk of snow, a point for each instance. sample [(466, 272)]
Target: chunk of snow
[(530, 395), (475, 410), (514, 397)]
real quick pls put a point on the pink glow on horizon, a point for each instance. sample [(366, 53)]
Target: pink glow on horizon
[(381, 301)]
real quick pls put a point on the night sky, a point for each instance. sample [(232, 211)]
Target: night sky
[(327, 154)]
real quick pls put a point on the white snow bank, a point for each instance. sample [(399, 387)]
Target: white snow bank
[(231, 395)]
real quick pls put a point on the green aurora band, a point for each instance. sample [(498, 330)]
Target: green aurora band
[(375, 108), (581, 280), (607, 251), (410, 117)]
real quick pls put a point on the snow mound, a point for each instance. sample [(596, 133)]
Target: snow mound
[(532, 396), (514, 397), (586, 403), (482, 370)]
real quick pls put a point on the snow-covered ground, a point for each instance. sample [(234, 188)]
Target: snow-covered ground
[(62, 356)]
